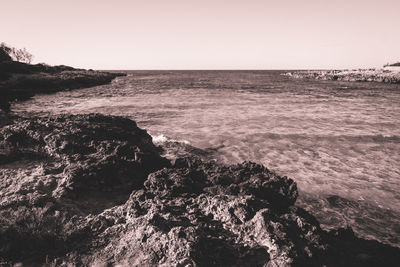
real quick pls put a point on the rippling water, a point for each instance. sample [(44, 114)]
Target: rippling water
[(339, 141)]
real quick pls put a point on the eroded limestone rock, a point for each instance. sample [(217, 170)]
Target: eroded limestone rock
[(92, 190)]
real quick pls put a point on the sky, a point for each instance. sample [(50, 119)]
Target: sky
[(205, 34)]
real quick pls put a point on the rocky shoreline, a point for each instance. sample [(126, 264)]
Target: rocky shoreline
[(361, 75), (93, 190), (20, 81)]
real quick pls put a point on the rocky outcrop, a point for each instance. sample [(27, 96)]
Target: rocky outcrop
[(55, 168), (20, 81), (368, 75), (92, 190)]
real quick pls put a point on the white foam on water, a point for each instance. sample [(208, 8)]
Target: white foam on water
[(160, 139)]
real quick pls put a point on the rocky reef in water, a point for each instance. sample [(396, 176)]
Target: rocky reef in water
[(93, 190), (361, 75), (20, 81)]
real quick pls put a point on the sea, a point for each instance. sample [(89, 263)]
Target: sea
[(340, 141)]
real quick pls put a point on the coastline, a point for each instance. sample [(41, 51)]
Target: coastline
[(358, 75), (20, 81), (94, 190)]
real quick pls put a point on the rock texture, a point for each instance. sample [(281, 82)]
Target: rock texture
[(52, 169), (20, 81), (368, 75), (92, 190)]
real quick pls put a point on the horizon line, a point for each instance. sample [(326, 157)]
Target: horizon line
[(106, 69)]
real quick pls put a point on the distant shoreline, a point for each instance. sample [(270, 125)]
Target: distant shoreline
[(385, 75)]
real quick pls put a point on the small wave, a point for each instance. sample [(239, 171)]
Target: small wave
[(161, 139)]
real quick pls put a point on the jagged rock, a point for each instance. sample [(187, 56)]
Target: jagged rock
[(54, 168), (247, 178), (65, 184), (176, 221), (185, 217), (94, 152)]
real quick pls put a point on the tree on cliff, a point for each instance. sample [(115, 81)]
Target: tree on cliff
[(21, 55)]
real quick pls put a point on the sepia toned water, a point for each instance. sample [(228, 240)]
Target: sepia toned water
[(339, 141)]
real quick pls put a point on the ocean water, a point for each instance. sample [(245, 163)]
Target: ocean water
[(339, 141)]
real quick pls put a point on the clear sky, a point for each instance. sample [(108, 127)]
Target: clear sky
[(205, 34)]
